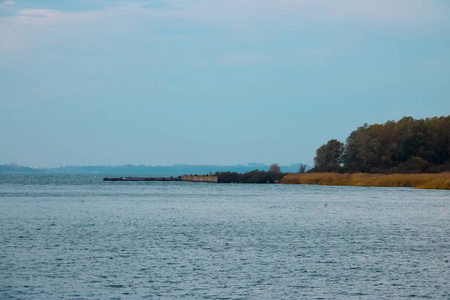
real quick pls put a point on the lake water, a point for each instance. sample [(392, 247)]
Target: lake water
[(77, 237)]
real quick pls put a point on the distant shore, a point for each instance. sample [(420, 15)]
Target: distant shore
[(418, 181)]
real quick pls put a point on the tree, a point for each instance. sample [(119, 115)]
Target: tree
[(408, 145), (329, 156), (275, 168), (302, 168), (405, 146)]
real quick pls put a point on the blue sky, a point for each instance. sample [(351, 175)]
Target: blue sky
[(212, 82)]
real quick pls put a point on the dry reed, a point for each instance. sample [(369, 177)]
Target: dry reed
[(419, 181)]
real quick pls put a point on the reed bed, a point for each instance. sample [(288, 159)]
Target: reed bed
[(419, 181)]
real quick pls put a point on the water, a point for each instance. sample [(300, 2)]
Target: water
[(77, 237)]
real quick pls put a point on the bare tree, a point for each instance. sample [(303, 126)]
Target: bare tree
[(275, 168), (302, 168)]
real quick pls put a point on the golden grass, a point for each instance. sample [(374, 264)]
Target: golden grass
[(419, 181)]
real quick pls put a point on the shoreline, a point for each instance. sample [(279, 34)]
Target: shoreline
[(418, 181)]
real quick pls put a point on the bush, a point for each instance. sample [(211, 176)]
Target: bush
[(250, 177)]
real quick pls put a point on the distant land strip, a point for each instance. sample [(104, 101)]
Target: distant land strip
[(158, 171), (418, 181)]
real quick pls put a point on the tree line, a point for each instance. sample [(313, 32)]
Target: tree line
[(407, 146), (274, 175)]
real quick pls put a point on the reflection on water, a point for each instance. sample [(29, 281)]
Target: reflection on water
[(78, 237)]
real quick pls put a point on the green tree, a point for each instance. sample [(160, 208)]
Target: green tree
[(329, 156), (408, 145)]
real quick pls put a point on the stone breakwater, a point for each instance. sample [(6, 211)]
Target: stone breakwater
[(143, 179), (195, 178), (200, 178)]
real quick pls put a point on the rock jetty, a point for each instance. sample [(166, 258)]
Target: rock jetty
[(143, 179), (194, 178)]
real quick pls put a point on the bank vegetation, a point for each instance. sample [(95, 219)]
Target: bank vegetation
[(274, 175), (419, 181), (405, 146)]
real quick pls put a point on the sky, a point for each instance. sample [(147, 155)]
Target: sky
[(97, 82)]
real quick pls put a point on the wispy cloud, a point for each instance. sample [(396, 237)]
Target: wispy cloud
[(242, 20), (251, 13), (7, 3), (7, 7), (47, 17), (287, 13)]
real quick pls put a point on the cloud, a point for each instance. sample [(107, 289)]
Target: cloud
[(47, 17), (7, 7), (251, 14), (7, 3), (246, 14), (236, 20)]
